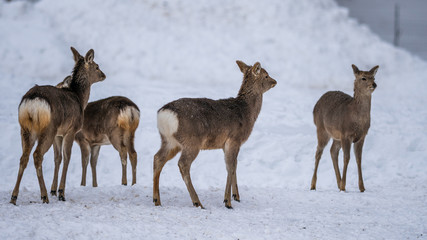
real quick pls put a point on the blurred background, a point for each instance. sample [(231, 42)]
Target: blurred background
[(400, 22)]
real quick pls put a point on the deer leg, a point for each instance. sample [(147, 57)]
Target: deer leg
[(27, 140), (94, 153), (184, 163), (335, 148), (85, 151), (44, 142), (57, 152), (358, 146), (132, 156), (230, 153), (68, 144), (322, 141), (236, 195), (346, 145), (162, 156), (118, 142)]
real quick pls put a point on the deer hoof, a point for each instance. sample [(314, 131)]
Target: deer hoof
[(45, 199), (236, 198), (53, 193), (61, 198), (156, 202), (197, 204), (13, 200), (227, 204)]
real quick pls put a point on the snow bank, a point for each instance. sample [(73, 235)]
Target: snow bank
[(157, 51)]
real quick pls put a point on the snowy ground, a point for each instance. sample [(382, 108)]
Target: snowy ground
[(154, 52)]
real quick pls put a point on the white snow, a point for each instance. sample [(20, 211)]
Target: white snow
[(154, 52)]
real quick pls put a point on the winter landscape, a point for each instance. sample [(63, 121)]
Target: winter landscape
[(154, 52)]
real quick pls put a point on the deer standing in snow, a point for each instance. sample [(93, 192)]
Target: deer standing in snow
[(346, 119), (46, 112), (112, 120), (193, 124)]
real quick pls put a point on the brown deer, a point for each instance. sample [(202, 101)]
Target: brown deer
[(193, 124), (112, 120), (46, 112), (346, 120)]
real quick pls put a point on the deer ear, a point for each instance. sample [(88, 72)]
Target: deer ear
[(256, 69), (76, 55), (356, 71), (374, 70), (65, 83), (243, 67), (89, 56)]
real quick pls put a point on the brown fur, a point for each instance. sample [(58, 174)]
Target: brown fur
[(112, 120), (34, 115), (192, 124), (346, 120), (47, 113)]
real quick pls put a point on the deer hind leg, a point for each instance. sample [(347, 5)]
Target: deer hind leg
[(335, 148), (322, 141), (231, 151), (346, 145), (28, 141), (358, 146), (132, 155), (45, 141), (117, 139), (57, 151), (165, 153), (184, 164), (85, 151), (94, 153), (68, 144)]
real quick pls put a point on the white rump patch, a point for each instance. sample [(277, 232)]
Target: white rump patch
[(34, 114), (128, 118), (167, 123)]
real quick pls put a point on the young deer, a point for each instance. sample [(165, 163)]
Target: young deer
[(193, 124), (112, 120), (346, 119), (46, 112)]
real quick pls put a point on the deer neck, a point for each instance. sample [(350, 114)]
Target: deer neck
[(362, 102), (81, 87), (254, 102)]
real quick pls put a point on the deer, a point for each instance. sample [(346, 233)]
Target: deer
[(112, 120), (189, 125), (346, 120), (46, 113)]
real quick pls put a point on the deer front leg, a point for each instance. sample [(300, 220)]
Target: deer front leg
[(230, 151), (184, 163), (57, 151), (358, 146), (94, 153), (68, 144), (346, 145), (84, 149), (335, 148)]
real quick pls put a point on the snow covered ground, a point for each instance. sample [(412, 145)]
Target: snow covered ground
[(157, 51)]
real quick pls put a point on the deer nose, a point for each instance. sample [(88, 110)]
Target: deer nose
[(274, 83), (374, 85)]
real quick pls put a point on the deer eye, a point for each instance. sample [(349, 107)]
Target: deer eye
[(97, 67), (364, 79), (266, 76)]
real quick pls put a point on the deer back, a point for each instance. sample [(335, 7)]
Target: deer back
[(102, 117)]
